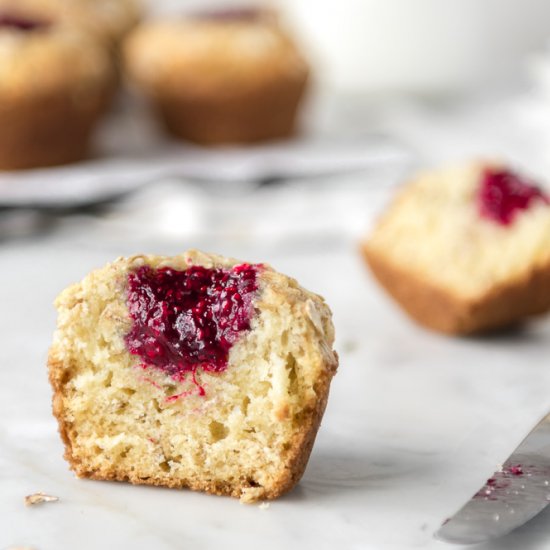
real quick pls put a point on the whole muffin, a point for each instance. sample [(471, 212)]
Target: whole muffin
[(232, 76), (55, 83), (108, 20)]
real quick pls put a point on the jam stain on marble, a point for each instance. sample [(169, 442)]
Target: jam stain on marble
[(21, 23), (503, 193), (189, 320)]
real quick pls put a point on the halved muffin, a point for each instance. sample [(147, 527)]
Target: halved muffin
[(191, 371), (466, 249)]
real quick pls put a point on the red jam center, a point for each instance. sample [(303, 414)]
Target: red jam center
[(185, 320), (504, 193), (21, 23)]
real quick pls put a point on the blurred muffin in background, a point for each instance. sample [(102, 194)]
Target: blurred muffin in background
[(55, 83), (466, 249), (108, 20), (220, 77)]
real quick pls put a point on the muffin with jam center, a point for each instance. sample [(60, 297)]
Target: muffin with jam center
[(194, 371), (466, 249), (231, 76), (55, 83)]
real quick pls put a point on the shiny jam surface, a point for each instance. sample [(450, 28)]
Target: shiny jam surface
[(186, 320), (499, 486), (21, 23), (503, 194)]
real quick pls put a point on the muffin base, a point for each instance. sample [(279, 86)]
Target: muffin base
[(49, 130), (267, 114), (296, 462), (440, 310)]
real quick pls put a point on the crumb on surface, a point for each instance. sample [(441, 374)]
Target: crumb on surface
[(39, 498), (263, 505)]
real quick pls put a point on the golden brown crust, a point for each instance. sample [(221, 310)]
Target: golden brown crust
[(303, 443), (440, 310), (52, 130), (303, 418), (269, 113)]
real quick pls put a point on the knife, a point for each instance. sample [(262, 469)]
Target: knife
[(514, 494)]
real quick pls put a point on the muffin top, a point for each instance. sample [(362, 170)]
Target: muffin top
[(108, 20), (211, 52), (39, 56)]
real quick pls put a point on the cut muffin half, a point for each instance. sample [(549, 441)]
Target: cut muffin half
[(191, 371)]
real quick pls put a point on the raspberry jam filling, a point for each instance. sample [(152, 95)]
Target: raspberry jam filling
[(186, 320), (503, 194), (21, 23)]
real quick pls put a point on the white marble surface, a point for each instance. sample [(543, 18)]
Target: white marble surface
[(415, 424)]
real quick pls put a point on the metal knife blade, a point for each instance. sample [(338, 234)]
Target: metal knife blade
[(512, 496)]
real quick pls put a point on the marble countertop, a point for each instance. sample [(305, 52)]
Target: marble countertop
[(415, 424)]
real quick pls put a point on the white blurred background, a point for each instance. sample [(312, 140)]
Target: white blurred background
[(420, 46)]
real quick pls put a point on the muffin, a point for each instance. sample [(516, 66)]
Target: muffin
[(55, 83), (191, 371), (108, 20), (465, 250), (222, 77)]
